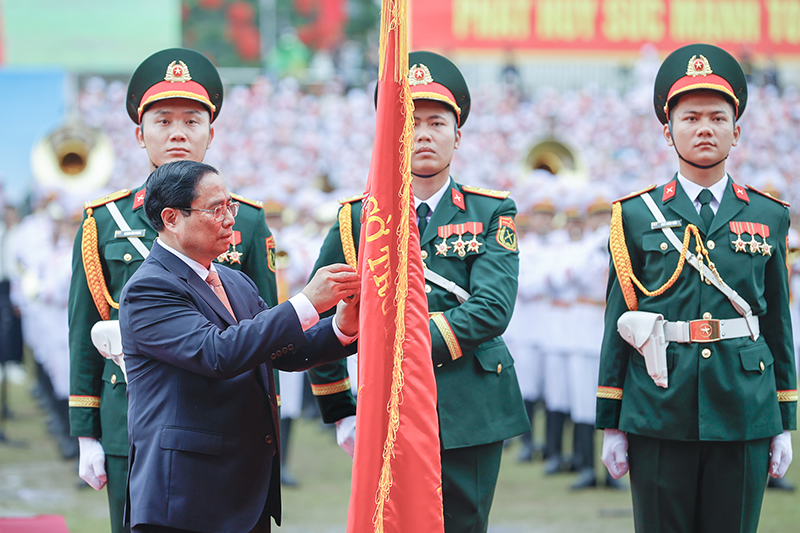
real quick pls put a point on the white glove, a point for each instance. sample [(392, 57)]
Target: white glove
[(92, 463), (780, 453), (346, 434), (615, 452)]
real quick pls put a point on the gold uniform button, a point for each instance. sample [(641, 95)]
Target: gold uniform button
[(114, 377), (706, 353), (424, 254), (268, 439), (427, 288), (127, 257), (710, 245), (664, 246), (706, 316), (499, 367), (761, 365)]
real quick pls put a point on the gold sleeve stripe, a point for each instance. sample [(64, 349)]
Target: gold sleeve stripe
[(326, 389), (449, 337), (278, 399), (346, 235), (787, 395), (609, 393), (94, 270), (84, 401)]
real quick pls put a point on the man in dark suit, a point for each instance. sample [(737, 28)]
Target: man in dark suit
[(203, 419)]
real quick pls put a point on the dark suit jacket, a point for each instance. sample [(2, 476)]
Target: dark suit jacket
[(202, 414)]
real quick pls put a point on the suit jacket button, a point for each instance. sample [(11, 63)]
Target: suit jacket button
[(273, 356), (285, 350), (427, 288), (499, 367), (424, 254), (114, 377), (706, 353), (268, 439), (127, 257), (664, 246), (291, 347), (761, 365), (710, 245)]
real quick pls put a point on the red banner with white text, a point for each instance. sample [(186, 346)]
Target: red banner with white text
[(769, 27)]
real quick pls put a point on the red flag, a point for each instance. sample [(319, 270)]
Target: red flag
[(396, 481)]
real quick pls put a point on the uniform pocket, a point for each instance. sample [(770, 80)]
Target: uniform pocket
[(756, 358), (493, 356)]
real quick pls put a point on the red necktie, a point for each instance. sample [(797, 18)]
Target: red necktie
[(216, 284)]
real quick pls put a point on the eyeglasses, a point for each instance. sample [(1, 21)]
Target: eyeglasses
[(218, 213)]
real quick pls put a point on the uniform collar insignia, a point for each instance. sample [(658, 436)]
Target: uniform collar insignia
[(138, 200), (669, 190)]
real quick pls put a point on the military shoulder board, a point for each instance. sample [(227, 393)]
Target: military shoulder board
[(486, 192), (768, 195), (635, 194), (113, 197), (242, 200), (352, 199)]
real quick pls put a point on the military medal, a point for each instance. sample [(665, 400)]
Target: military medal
[(460, 247), (754, 246), (444, 232), (235, 256), (221, 258)]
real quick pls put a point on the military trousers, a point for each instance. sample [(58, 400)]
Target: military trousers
[(469, 477), (697, 486), (117, 473)]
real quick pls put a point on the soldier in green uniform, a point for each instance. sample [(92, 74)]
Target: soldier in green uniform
[(469, 251), (698, 287), (174, 96)]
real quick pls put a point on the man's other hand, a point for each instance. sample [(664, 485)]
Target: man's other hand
[(331, 284), (347, 315), (92, 462)]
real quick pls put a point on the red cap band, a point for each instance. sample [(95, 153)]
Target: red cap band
[(167, 89), (691, 83), (436, 91)]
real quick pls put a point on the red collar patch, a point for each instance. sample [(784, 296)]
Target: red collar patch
[(138, 200), (458, 199), (741, 193), (669, 190)]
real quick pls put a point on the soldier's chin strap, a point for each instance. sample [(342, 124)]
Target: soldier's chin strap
[(430, 175), (695, 165)]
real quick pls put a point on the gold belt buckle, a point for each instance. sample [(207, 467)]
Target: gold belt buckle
[(704, 330)]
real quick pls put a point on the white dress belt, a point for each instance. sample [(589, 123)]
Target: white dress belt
[(710, 330)]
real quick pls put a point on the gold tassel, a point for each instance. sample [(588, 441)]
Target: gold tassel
[(94, 269)]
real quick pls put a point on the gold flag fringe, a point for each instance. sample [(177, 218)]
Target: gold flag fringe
[(393, 19)]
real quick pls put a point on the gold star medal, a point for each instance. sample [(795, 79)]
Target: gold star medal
[(234, 255), (738, 228), (475, 228), (444, 232)]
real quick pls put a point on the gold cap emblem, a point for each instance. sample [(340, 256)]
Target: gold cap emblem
[(177, 71), (698, 66), (419, 75)]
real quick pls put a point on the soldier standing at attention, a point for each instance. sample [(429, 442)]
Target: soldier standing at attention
[(173, 97), (469, 252), (698, 287)]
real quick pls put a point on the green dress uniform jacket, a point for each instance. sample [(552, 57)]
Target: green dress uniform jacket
[(479, 400), (98, 402), (735, 389)]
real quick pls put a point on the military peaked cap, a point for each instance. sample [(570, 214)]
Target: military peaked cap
[(434, 77), (174, 73), (699, 66)]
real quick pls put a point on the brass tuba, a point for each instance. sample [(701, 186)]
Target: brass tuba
[(74, 157), (557, 158)]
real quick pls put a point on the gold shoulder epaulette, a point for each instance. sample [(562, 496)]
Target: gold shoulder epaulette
[(637, 193), (113, 197), (768, 195), (486, 192), (353, 198), (242, 200)]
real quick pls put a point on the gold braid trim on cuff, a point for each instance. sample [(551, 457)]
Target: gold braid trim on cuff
[(622, 260), (346, 234), (94, 270), (787, 395), (84, 401), (330, 388), (278, 399), (448, 335), (609, 393)]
